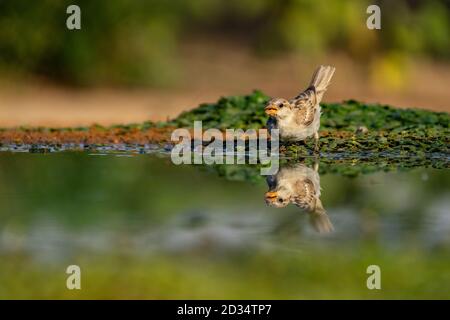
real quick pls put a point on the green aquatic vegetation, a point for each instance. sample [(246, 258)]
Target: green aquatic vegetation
[(403, 132), (242, 112), (396, 139), (248, 112), (376, 144)]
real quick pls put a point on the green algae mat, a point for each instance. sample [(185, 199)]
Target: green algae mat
[(406, 131)]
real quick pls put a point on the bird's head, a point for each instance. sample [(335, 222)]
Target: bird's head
[(278, 198), (278, 108)]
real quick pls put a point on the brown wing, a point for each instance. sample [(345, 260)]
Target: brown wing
[(305, 193), (305, 103)]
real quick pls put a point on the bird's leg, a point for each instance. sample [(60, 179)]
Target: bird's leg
[(316, 142)]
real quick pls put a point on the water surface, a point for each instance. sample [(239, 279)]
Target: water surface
[(141, 227)]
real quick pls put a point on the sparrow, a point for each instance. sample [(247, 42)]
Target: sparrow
[(300, 185), (299, 118)]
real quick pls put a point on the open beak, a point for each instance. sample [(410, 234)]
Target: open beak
[(271, 196), (271, 110)]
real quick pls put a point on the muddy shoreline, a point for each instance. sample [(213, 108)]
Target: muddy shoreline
[(86, 136)]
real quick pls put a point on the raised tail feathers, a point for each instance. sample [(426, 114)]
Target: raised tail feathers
[(321, 79), (319, 219)]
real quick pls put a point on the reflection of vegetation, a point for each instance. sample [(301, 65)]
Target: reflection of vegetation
[(77, 187), (135, 43), (349, 167)]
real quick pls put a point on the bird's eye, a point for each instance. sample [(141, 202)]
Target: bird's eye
[(280, 200), (281, 105)]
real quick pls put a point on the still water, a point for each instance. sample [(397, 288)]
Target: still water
[(140, 227)]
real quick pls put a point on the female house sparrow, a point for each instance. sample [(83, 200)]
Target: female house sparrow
[(299, 118), (299, 185)]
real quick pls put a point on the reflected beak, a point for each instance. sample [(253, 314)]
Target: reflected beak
[(271, 196), (271, 110)]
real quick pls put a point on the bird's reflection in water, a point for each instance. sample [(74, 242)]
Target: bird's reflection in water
[(300, 185)]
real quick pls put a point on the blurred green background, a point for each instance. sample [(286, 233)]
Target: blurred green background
[(150, 60), (137, 42)]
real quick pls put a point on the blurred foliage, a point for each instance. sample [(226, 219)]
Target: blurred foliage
[(136, 42), (119, 41)]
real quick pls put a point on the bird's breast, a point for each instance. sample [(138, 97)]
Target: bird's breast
[(292, 131), (296, 133)]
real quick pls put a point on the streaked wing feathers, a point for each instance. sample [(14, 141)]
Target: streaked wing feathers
[(305, 192), (305, 103)]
